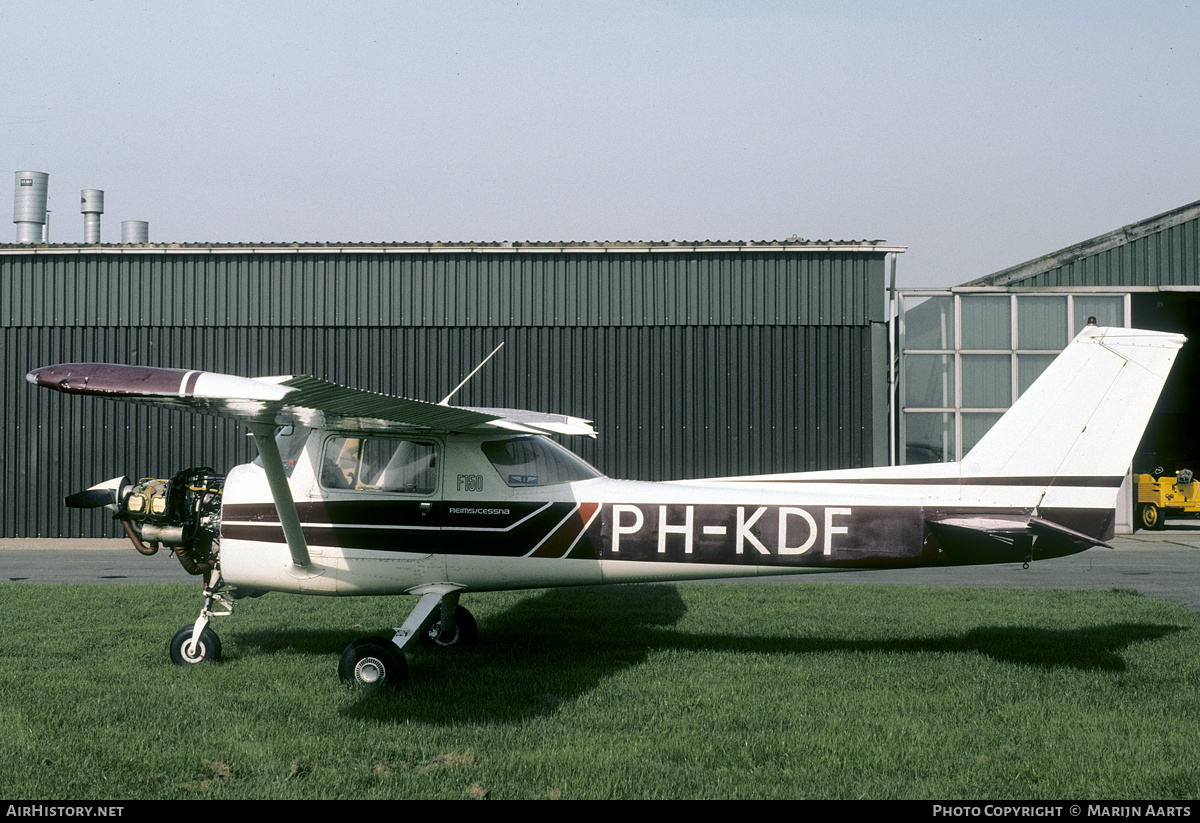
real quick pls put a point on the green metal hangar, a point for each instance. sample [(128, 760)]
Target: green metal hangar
[(968, 352), (694, 359)]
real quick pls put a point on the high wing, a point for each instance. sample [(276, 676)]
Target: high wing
[(264, 403), (282, 401)]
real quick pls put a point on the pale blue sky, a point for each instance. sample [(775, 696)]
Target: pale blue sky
[(979, 135)]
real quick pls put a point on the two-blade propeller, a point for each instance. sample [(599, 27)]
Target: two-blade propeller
[(109, 493)]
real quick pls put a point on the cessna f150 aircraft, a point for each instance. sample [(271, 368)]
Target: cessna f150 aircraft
[(356, 493)]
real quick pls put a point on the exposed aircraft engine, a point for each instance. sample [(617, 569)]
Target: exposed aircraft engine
[(182, 513)]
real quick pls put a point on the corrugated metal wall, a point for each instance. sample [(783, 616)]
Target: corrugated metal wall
[(465, 289), (691, 366)]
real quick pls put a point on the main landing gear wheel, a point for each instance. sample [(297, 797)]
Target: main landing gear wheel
[(208, 647), (464, 633), (372, 663), (1150, 516)]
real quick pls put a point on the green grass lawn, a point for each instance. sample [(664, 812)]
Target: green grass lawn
[(655, 691)]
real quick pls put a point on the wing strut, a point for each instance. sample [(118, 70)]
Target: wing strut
[(281, 492)]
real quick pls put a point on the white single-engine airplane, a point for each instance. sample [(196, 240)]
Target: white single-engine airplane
[(356, 493)]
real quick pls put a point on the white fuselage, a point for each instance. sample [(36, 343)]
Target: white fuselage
[(476, 528)]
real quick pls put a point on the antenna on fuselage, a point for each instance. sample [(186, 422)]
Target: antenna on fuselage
[(446, 400)]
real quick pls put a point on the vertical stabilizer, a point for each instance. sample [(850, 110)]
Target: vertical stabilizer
[(1084, 416), (1058, 456)]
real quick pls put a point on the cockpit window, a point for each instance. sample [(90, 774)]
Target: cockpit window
[(536, 461), (290, 441), (379, 464)]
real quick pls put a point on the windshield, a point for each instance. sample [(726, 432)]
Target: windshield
[(536, 461)]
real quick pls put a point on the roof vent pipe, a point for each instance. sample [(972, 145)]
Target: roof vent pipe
[(92, 206), (29, 206), (135, 231)]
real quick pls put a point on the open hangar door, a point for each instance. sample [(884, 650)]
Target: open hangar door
[(1172, 439)]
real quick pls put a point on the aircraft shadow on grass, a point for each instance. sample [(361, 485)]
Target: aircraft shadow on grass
[(558, 646)]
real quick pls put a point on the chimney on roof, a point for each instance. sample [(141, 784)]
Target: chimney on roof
[(29, 206), (134, 231), (92, 206)]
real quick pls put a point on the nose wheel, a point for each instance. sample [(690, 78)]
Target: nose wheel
[(186, 653)]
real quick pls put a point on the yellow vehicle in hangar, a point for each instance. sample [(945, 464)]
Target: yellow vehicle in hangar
[(1162, 496)]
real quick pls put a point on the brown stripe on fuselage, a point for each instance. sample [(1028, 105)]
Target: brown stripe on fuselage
[(565, 536)]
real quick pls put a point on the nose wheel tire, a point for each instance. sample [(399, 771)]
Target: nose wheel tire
[(371, 663), (464, 633), (207, 648)]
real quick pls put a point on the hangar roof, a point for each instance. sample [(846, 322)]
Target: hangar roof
[(792, 244), (1163, 250)]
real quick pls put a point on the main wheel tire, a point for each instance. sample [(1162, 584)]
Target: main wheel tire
[(1150, 516), (208, 647), (373, 663), (465, 633)]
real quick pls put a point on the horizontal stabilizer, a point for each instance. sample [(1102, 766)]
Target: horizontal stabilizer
[(1045, 527), (971, 539)]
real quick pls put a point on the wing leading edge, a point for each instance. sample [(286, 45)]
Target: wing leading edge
[(286, 400)]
